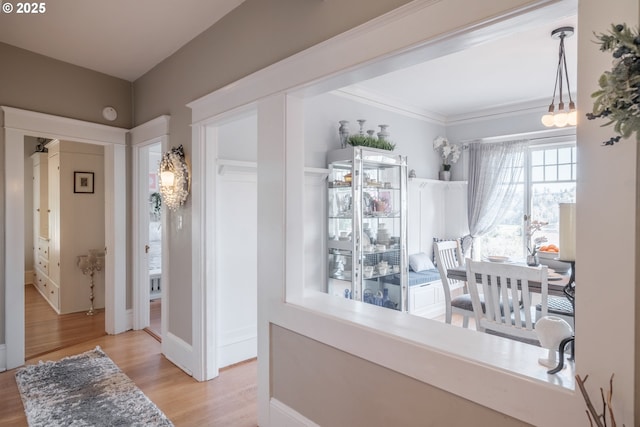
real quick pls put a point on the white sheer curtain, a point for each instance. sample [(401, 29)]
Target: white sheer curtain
[(495, 169)]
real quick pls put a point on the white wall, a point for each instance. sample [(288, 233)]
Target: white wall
[(239, 139), (436, 209), (237, 266), (413, 137)]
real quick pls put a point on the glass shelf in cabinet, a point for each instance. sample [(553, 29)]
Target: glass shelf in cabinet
[(382, 215), (346, 276)]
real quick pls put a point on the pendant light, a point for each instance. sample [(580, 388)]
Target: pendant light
[(561, 117)]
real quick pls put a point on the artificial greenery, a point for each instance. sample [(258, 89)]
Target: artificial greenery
[(618, 99), (369, 141)]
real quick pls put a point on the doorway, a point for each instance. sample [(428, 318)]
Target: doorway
[(18, 124), (64, 303), (153, 248), (149, 238)]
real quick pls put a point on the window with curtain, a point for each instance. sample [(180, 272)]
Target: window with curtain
[(550, 179)]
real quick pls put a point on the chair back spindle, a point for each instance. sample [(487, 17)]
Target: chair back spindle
[(509, 308)]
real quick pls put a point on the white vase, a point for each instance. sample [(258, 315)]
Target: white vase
[(343, 131), (551, 330), (383, 134), (445, 175)]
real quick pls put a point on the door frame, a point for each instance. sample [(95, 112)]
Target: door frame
[(16, 124), (142, 137)]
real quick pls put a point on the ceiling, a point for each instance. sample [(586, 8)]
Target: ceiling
[(513, 73), (121, 38), (125, 39)]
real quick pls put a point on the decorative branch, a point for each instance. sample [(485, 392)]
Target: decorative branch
[(600, 420), (591, 410)]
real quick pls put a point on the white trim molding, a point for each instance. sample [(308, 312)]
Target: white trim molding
[(178, 352), (155, 131), (3, 357), (16, 125), (281, 415), (150, 130)]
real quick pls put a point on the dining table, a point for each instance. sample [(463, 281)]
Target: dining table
[(555, 282)]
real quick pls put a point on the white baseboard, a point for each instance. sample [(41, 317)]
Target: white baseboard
[(280, 415), (28, 277), (178, 352), (238, 345), (3, 357), (129, 319)]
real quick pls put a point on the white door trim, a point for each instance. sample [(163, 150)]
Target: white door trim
[(17, 124), (204, 310), (141, 137), (204, 137)]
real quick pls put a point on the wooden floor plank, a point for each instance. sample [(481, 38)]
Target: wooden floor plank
[(46, 331), (228, 400)]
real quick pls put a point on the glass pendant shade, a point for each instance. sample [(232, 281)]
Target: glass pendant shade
[(561, 118), (547, 120)]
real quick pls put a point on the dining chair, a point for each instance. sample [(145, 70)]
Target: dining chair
[(448, 255), (502, 282)]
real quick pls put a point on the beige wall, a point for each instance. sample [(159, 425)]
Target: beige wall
[(312, 377), (256, 34), (35, 82)]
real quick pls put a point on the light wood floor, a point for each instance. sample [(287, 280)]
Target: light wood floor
[(228, 400), (46, 331)]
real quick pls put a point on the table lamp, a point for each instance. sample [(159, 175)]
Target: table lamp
[(568, 236)]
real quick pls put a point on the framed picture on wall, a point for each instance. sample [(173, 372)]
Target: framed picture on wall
[(83, 182)]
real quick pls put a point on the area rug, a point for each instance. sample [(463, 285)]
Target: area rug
[(84, 390)]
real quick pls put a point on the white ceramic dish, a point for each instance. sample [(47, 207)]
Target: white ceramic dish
[(547, 255), (558, 266), (497, 258)]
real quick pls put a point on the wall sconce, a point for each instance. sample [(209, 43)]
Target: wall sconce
[(561, 118), (174, 178)]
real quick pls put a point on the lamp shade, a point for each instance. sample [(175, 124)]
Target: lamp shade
[(167, 178), (567, 231)]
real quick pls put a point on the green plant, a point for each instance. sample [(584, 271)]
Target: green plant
[(369, 141), (618, 99), (156, 203)]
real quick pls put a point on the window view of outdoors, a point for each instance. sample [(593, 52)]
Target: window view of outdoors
[(551, 179)]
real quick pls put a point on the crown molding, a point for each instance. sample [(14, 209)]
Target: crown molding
[(363, 96), (359, 94)]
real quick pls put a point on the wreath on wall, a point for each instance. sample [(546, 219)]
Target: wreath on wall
[(175, 190), (618, 99)]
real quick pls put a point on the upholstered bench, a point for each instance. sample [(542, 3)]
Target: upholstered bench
[(558, 306)]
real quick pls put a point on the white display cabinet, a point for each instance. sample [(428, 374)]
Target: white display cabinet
[(367, 226)]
